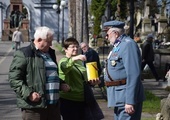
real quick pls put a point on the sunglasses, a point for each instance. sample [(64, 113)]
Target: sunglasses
[(107, 35)]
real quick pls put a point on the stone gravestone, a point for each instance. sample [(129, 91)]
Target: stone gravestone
[(146, 24), (162, 21), (146, 10), (167, 76), (165, 108), (165, 103)]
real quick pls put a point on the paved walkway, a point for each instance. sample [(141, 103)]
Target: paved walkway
[(149, 84)]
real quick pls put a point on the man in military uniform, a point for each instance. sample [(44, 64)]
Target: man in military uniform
[(123, 75)]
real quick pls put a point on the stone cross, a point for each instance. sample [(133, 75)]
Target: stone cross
[(163, 7), (146, 9)]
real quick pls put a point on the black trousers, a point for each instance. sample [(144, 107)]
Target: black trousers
[(152, 68), (52, 112), (72, 110)]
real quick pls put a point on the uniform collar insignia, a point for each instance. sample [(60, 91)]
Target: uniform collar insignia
[(116, 49), (117, 42)]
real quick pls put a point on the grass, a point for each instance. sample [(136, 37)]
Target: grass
[(152, 103), (148, 118)]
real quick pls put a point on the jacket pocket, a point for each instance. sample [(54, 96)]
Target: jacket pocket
[(120, 94)]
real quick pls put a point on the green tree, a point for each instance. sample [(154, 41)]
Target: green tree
[(123, 9), (113, 8), (97, 9), (58, 2)]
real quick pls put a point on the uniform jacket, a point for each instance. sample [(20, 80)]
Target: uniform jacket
[(27, 74), (124, 62), (147, 51)]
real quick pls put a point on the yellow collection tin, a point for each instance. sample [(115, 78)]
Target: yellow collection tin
[(92, 70)]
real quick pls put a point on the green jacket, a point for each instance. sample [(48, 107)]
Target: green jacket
[(27, 75), (72, 76)]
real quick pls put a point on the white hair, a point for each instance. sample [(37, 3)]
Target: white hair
[(119, 30), (83, 43), (43, 32), (17, 28)]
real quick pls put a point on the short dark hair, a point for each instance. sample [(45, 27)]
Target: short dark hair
[(70, 41)]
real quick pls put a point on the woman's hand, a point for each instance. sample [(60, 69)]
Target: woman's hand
[(79, 57), (65, 87), (94, 81)]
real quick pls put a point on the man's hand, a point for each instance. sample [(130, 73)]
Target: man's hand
[(143, 60), (129, 109), (34, 97)]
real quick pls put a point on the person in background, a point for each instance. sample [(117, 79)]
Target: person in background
[(123, 75), (33, 75), (17, 38), (74, 74), (148, 56), (91, 56)]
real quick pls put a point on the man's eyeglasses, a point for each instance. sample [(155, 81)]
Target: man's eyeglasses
[(83, 47)]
